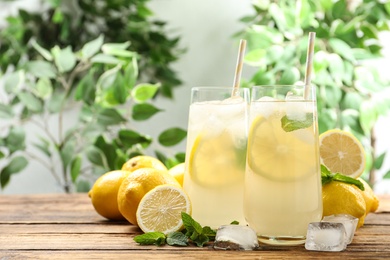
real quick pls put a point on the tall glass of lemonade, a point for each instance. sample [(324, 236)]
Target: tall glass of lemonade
[(215, 154), (283, 179)]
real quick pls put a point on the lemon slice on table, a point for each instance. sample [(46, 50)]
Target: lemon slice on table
[(215, 161), (341, 152), (160, 209), (280, 155)]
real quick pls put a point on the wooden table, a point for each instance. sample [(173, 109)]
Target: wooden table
[(62, 226)]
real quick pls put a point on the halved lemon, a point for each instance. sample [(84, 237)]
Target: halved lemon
[(160, 209), (280, 155), (216, 161), (341, 152)]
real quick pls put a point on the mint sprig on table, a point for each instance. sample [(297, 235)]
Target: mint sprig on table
[(327, 176), (193, 232), (289, 125)]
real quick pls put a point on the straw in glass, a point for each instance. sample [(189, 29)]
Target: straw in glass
[(309, 62), (237, 74)]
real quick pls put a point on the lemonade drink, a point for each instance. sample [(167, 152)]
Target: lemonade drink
[(283, 180), (215, 155)]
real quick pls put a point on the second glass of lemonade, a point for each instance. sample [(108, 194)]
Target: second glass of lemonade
[(283, 180), (215, 154)]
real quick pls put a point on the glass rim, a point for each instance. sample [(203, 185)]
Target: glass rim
[(217, 88), (287, 85)]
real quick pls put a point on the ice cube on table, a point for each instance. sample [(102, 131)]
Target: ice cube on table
[(326, 236), (349, 222), (235, 237)]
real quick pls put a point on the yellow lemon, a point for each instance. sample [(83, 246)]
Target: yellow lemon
[(343, 198), (177, 171), (216, 161), (160, 209), (341, 152), (104, 194), (372, 201), (136, 185), (143, 161)]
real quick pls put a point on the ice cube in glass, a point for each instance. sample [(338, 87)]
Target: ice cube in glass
[(349, 222), (326, 236), (236, 237)]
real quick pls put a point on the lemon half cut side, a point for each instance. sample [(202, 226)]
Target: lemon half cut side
[(341, 152), (160, 209)]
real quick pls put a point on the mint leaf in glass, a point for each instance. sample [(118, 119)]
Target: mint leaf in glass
[(289, 125)]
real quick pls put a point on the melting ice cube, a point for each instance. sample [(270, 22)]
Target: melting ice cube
[(349, 222), (296, 109), (326, 236), (232, 100), (236, 237)]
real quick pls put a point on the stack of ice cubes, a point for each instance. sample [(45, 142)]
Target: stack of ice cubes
[(333, 233)]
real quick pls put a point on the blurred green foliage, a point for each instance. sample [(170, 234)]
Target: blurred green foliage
[(75, 22), (351, 94), (93, 60)]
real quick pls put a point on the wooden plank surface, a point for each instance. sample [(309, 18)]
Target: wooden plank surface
[(65, 226)]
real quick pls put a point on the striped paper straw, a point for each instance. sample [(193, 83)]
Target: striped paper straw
[(237, 75), (309, 63)]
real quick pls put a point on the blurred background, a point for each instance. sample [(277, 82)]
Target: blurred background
[(201, 42)]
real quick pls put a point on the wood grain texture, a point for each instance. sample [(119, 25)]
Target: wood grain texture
[(65, 226)]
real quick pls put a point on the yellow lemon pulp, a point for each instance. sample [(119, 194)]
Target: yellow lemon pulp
[(216, 161), (342, 153), (143, 161), (136, 185), (343, 198), (177, 171), (160, 209), (280, 155), (104, 194)]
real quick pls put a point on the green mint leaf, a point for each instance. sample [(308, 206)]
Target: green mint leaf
[(190, 224), (292, 125), (177, 239), (151, 238), (208, 231), (201, 240), (193, 236), (235, 222), (349, 180), (326, 175)]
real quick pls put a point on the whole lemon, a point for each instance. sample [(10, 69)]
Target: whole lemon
[(177, 171), (136, 185), (143, 161), (372, 202), (343, 198), (104, 194)]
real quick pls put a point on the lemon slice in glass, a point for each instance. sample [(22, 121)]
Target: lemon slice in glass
[(280, 155), (215, 161)]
